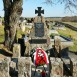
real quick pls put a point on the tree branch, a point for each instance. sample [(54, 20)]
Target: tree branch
[(69, 4)]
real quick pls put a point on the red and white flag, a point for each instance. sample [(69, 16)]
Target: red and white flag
[(40, 57)]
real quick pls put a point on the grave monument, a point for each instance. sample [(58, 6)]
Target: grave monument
[(38, 36)]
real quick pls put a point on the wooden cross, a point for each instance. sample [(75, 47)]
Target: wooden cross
[(39, 11)]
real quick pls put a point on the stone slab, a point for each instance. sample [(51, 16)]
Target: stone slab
[(57, 67), (16, 50), (4, 67), (24, 67)]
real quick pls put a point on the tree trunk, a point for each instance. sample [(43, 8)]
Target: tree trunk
[(12, 13)]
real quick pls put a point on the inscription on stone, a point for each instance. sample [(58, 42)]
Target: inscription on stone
[(39, 29)]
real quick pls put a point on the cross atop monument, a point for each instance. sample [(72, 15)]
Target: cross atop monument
[(39, 11)]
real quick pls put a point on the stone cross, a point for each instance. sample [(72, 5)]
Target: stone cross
[(39, 11)]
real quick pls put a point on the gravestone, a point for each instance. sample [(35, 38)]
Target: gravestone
[(24, 67), (4, 67), (38, 36), (16, 50), (39, 25)]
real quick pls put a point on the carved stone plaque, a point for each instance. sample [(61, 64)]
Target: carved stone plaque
[(39, 29)]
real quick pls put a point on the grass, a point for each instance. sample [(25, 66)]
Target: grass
[(73, 48), (1, 33), (71, 34)]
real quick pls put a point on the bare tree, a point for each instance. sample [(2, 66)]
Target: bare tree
[(12, 12)]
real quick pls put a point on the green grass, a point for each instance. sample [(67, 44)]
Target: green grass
[(70, 33), (1, 38), (1, 33), (73, 48)]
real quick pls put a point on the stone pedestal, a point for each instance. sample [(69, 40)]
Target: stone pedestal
[(39, 19), (24, 67), (16, 51), (57, 67), (4, 67), (57, 44)]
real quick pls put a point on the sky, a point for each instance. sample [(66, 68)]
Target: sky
[(29, 6)]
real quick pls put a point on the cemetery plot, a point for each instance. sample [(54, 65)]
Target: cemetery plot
[(35, 45), (70, 34), (38, 36)]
